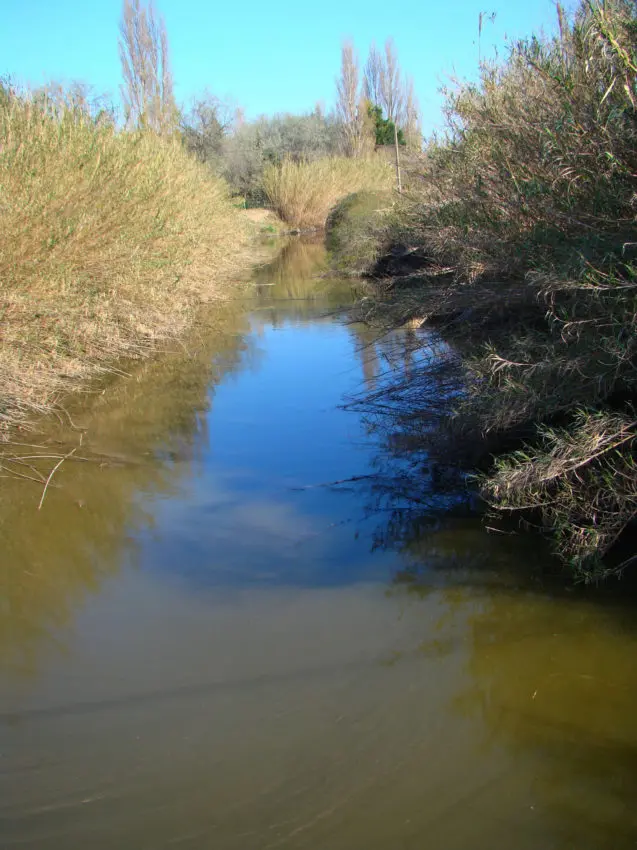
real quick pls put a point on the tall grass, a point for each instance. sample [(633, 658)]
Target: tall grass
[(526, 212), (303, 193), (107, 241)]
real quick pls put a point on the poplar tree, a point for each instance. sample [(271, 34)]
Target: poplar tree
[(147, 91)]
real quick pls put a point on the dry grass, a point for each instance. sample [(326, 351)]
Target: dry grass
[(526, 215), (570, 475), (107, 242), (303, 193)]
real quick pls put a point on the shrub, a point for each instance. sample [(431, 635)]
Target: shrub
[(303, 193), (527, 210), (251, 147), (357, 230), (107, 240)]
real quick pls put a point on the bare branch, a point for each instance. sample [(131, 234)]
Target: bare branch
[(147, 91), (392, 94), (372, 76), (351, 106)]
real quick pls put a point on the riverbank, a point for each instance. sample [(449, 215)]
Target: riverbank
[(517, 240), (109, 241)]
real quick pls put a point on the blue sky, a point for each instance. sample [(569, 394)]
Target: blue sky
[(278, 56)]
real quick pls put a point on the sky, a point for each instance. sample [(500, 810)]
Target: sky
[(281, 56)]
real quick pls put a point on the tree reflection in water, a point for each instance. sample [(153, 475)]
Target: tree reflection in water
[(551, 667)]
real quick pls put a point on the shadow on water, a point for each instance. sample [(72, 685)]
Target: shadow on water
[(203, 645), (550, 671)]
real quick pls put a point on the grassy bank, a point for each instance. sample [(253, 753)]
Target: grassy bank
[(108, 240), (357, 230), (303, 193), (524, 221)]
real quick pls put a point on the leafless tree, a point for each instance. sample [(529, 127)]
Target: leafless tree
[(411, 121), (148, 86), (351, 104), (78, 97), (347, 95), (385, 85), (391, 84), (205, 125), (372, 76)]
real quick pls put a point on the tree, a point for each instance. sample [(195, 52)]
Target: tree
[(351, 105), (347, 96), (391, 85), (384, 130), (386, 87), (250, 145), (75, 97), (148, 86), (204, 127), (372, 76), (411, 121)]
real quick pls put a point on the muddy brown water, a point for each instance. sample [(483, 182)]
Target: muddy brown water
[(199, 648)]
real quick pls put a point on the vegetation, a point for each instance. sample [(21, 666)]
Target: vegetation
[(370, 108), (524, 218), (114, 226), (148, 85), (356, 230), (385, 131), (249, 148), (107, 241), (303, 193)]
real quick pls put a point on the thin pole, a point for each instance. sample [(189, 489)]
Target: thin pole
[(398, 181)]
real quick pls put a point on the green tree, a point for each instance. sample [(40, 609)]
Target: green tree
[(384, 129)]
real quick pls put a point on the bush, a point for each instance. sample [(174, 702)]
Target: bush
[(357, 230), (303, 193), (251, 147), (527, 211), (107, 240)]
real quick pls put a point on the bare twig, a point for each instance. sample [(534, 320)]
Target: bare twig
[(335, 483), (52, 473)]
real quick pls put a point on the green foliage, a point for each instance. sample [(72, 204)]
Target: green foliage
[(249, 148), (384, 129), (357, 230)]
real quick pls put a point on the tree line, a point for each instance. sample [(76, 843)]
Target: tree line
[(375, 105)]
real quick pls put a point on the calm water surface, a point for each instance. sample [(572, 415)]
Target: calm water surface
[(201, 648)]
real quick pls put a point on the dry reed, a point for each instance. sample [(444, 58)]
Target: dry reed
[(303, 193), (107, 242), (525, 216)]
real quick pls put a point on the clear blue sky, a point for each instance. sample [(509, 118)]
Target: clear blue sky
[(278, 56)]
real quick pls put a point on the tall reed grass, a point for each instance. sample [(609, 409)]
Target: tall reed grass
[(526, 213), (303, 193), (107, 241)]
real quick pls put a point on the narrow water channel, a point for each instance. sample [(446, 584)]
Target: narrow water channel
[(202, 647)]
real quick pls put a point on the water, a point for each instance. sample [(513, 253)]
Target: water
[(200, 648)]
